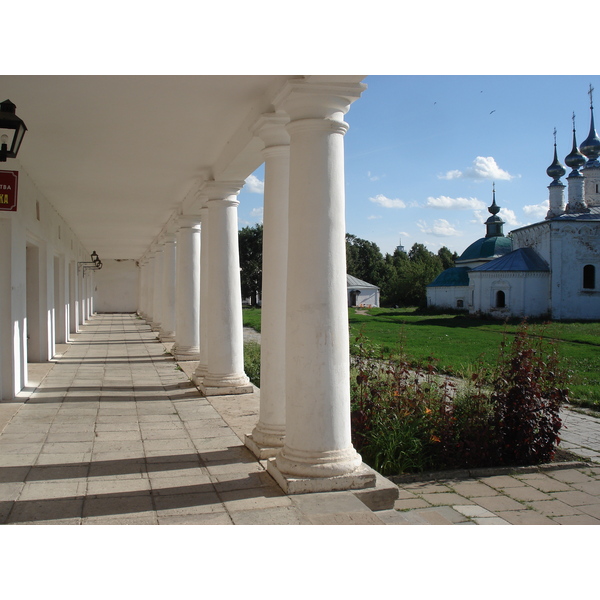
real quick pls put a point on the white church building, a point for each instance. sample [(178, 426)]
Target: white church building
[(140, 176), (548, 269)]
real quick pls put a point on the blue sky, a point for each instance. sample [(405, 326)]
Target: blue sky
[(423, 151)]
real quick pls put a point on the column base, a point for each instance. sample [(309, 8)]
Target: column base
[(361, 478), (186, 353), (262, 452), (199, 374), (225, 391), (167, 337), (224, 385)]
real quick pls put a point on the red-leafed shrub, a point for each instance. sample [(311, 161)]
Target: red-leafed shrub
[(409, 419), (528, 392)]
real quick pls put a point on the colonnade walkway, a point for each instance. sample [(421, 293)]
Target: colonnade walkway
[(116, 433)]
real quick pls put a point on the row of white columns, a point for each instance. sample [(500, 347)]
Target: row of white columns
[(304, 418), (198, 306)]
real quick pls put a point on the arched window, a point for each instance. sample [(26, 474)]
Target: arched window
[(500, 299), (589, 277)]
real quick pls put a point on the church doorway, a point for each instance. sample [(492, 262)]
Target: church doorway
[(589, 277), (500, 299)]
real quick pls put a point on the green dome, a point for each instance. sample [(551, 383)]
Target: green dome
[(487, 247)]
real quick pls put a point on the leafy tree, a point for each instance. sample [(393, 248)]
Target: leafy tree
[(364, 260), (414, 279), (448, 258), (250, 247), (401, 277), (419, 252)]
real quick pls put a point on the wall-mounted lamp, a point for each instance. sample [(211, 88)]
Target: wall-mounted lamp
[(95, 261), (12, 130)]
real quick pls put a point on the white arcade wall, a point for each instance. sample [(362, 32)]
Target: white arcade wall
[(116, 286)]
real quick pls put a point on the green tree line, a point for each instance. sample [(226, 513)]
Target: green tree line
[(401, 277)]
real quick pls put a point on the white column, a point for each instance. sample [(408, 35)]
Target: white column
[(13, 313), (73, 298), (167, 325), (268, 435), (92, 294), (318, 442), (225, 374), (141, 294), (81, 295), (202, 367), (141, 284), (150, 290), (187, 305), (157, 291), (87, 278)]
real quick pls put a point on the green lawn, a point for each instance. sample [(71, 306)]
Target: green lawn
[(462, 345), (252, 318)]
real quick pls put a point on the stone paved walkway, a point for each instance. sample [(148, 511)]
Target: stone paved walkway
[(117, 434)]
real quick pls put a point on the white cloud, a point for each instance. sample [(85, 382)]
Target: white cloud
[(372, 177), (455, 203), (371, 217), (536, 210), (257, 213), (388, 202), (506, 214), (478, 217), (509, 217), (254, 185), (440, 228), (483, 167)]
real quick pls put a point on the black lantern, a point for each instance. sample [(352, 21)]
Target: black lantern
[(12, 130), (95, 261)]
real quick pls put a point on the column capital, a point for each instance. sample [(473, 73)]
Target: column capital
[(270, 128), (308, 100), (219, 190), (189, 221)]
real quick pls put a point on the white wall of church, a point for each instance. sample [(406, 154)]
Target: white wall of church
[(116, 287), (574, 246), (535, 237), (448, 296), (510, 294)]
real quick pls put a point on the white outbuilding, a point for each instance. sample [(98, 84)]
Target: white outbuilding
[(361, 293)]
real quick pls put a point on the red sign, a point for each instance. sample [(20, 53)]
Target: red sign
[(9, 183)]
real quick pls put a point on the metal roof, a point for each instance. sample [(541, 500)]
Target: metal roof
[(523, 259), (487, 247), (354, 282), (455, 276)]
